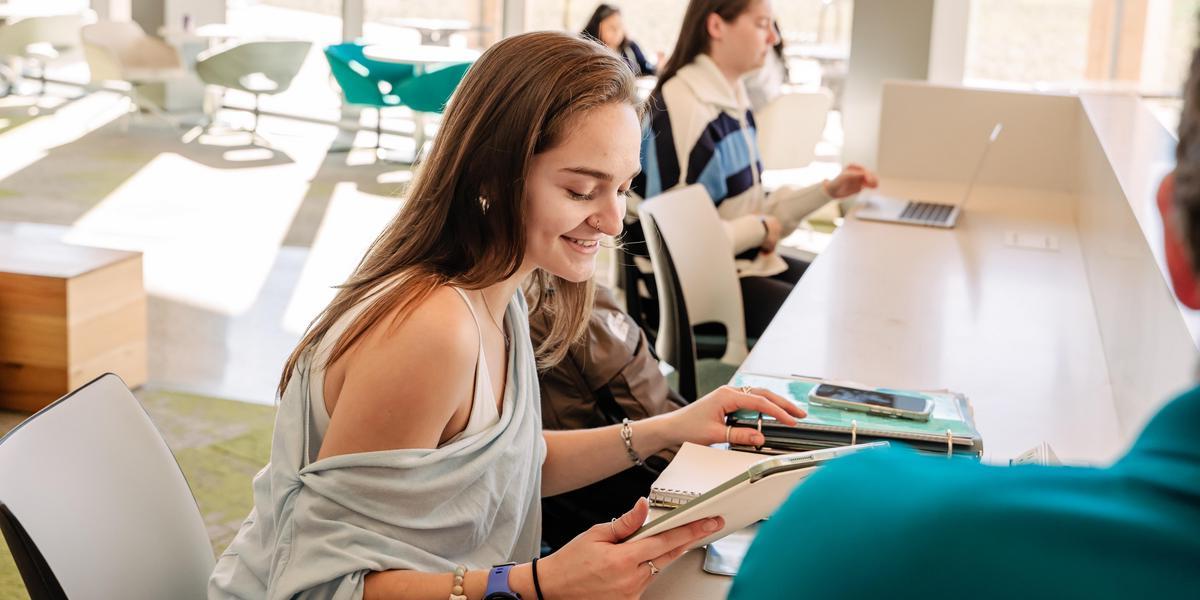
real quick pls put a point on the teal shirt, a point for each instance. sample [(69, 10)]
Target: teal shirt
[(894, 524)]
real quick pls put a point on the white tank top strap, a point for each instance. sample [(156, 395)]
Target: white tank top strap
[(483, 402)]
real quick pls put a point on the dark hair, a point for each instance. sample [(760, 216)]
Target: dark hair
[(592, 29), (693, 37), (1187, 164), (778, 48), (463, 223)]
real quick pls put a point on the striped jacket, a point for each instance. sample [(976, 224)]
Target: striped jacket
[(701, 130)]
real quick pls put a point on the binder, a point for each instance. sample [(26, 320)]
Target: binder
[(950, 430)]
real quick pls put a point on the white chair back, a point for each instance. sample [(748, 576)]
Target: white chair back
[(98, 493), (685, 222), (790, 126), (58, 31)]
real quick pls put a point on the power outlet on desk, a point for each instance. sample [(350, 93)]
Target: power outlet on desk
[(1031, 241)]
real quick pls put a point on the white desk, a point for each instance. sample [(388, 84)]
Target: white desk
[(1075, 346), (685, 578), (910, 307)]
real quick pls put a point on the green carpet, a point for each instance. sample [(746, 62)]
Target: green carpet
[(220, 446)]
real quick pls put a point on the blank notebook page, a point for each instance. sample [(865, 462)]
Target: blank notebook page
[(697, 469)]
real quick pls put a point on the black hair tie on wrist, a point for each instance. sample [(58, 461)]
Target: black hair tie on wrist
[(537, 585)]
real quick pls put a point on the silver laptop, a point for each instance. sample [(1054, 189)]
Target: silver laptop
[(877, 207)]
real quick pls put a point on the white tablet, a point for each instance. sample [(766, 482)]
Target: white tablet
[(750, 496)]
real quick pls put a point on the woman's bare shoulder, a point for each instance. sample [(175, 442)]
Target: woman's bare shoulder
[(406, 377)]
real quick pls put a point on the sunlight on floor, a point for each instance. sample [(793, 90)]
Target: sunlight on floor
[(210, 246), (351, 223), (68, 121)]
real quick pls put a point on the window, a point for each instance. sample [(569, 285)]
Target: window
[(1139, 44)]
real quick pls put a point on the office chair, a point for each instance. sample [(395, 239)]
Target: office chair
[(696, 279), (93, 504), (789, 128)]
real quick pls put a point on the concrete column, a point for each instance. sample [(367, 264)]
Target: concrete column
[(897, 39), (111, 10), (353, 15), (158, 15), (514, 17)]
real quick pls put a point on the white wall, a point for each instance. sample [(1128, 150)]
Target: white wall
[(897, 39)]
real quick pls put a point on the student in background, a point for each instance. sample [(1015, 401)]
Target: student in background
[(408, 457), (607, 26), (701, 130), (766, 83), (893, 524)]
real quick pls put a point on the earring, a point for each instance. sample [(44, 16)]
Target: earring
[(483, 203)]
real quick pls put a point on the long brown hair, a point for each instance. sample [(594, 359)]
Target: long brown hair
[(464, 221), (693, 39)]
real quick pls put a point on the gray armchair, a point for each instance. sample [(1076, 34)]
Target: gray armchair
[(255, 67)]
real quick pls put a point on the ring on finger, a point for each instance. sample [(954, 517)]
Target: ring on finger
[(653, 569), (612, 525), (728, 429), (745, 389)]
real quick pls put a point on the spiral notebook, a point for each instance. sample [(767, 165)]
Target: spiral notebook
[(697, 469)]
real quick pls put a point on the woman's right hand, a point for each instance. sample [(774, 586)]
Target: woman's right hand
[(597, 565), (774, 233)]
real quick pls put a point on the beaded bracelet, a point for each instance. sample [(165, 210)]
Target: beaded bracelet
[(456, 592), (627, 437)]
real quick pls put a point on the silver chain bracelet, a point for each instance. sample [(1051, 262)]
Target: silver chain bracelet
[(627, 437)]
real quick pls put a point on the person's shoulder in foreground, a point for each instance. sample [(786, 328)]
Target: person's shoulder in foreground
[(896, 524)]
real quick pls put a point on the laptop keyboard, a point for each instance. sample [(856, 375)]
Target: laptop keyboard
[(927, 212)]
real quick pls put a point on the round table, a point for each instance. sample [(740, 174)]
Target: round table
[(419, 56), (435, 31)]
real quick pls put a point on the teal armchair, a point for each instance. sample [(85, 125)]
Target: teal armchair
[(429, 92), (366, 82)]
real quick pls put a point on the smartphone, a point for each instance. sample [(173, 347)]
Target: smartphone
[(872, 401)]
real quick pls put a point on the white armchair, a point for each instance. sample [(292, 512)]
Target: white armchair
[(121, 53), (37, 41)]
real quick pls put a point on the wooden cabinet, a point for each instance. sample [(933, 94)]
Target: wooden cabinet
[(67, 314)]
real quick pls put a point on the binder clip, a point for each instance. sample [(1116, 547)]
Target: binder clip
[(949, 444), (853, 431)]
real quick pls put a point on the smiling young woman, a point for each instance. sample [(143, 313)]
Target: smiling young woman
[(408, 454)]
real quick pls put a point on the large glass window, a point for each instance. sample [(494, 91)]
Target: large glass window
[(1143, 45), (811, 27), (464, 23)]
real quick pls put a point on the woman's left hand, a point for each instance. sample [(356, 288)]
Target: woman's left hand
[(703, 421), (850, 181)]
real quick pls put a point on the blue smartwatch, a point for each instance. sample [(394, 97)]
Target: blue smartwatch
[(497, 584)]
